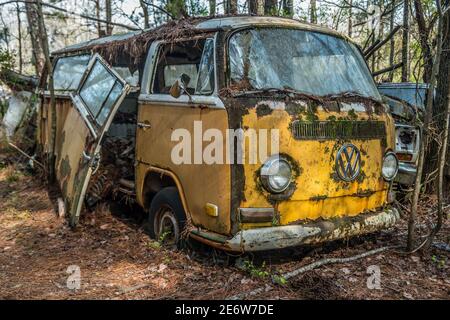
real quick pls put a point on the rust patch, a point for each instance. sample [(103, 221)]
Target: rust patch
[(263, 110)]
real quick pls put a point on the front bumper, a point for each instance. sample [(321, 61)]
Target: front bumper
[(270, 238), (406, 173)]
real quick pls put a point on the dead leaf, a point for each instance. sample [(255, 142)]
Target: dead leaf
[(407, 296)]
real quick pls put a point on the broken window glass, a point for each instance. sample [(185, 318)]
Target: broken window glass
[(308, 62), (205, 82), (68, 72), (99, 92), (174, 72), (193, 58)]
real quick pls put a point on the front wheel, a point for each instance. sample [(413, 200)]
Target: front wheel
[(167, 217)]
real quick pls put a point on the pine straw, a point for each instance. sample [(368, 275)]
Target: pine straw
[(135, 47)]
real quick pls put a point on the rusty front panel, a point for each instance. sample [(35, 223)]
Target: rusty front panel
[(201, 183), (319, 192), (74, 136)]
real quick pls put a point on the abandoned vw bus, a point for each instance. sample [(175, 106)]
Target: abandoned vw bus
[(246, 133)]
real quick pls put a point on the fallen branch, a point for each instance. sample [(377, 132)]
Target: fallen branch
[(370, 51), (309, 267), (17, 81), (26, 155), (390, 68)]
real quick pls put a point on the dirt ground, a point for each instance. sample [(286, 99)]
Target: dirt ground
[(40, 254)]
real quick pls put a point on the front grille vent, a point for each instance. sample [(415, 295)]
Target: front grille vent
[(345, 129)]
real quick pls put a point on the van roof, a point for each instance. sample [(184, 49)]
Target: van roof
[(131, 48), (194, 25)]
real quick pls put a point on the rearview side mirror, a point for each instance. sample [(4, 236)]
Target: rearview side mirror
[(180, 86)]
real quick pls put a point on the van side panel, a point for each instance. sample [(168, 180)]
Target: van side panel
[(201, 183)]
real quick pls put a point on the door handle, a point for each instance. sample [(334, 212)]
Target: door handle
[(144, 125), (86, 157), (95, 163)]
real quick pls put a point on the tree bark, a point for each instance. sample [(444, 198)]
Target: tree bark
[(350, 18), (313, 11), (443, 103), (212, 7), (231, 6), (19, 36), (145, 13), (97, 14), (270, 7), (33, 30), (442, 89), (256, 7), (48, 64), (108, 12), (177, 8), (424, 142), (288, 8), (392, 42), (405, 42), (424, 41)]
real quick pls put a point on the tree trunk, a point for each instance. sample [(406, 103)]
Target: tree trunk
[(380, 36), (231, 6), (256, 7), (212, 7), (405, 42), (313, 11), (392, 42), (424, 41), (270, 7), (425, 137), (145, 13), (33, 30), (48, 64), (288, 8), (177, 8), (443, 81), (108, 11), (19, 36), (427, 57), (350, 18)]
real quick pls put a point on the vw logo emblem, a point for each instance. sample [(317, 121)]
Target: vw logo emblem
[(348, 162)]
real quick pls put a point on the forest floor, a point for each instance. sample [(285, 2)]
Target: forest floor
[(40, 254)]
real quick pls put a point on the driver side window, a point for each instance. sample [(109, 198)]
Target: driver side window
[(192, 58)]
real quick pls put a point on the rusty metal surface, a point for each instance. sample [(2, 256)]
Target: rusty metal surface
[(201, 183), (311, 233), (347, 129)]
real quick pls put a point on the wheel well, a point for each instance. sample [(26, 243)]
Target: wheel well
[(155, 181)]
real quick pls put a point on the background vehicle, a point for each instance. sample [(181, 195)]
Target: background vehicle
[(407, 105)]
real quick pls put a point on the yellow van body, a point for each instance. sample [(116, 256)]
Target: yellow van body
[(227, 205)]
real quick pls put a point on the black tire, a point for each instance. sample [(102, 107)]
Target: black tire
[(166, 207)]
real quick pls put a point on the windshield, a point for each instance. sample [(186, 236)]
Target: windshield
[(304, 61)]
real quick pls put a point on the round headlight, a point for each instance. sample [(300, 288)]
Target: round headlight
[(390, 166), (276, 174)]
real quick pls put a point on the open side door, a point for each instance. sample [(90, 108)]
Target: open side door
[(95, 102)]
